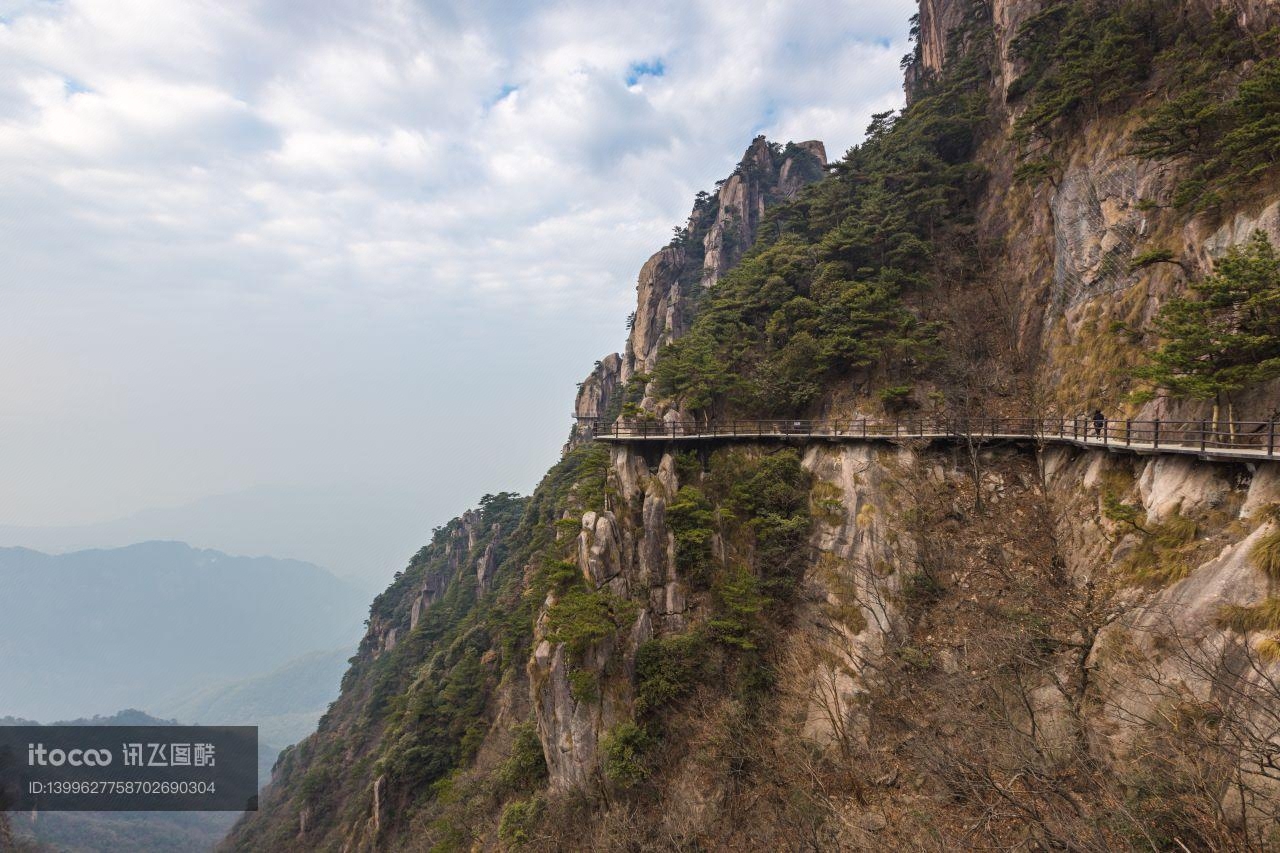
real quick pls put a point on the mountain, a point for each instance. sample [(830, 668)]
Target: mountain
[(285, 704), (356, 532), (132, 626), (772, 640)]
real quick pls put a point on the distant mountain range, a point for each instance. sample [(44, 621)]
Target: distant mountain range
[(284, 704), (156, 625), (357, 532)]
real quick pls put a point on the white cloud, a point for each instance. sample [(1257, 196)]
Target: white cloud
[(392, 114), (302, 167)]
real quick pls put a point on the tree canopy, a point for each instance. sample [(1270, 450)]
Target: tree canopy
[(1225, 335)]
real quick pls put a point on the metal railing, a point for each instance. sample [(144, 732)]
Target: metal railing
[(1240, 437)]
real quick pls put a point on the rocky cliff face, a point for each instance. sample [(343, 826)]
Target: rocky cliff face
[(857, 624), (1070, 244)]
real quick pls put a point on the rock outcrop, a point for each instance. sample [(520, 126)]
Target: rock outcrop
[(720, 229)]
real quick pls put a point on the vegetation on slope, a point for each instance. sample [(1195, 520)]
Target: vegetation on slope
[(841, 282), (1213, 89), (413, 715), (1224, 337)]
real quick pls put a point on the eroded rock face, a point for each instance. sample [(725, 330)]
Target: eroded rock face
[(1073, 242), (571, 726), (570, 730), (938, 18), (851, 585), (1166, 647), (848, 609), (599, 549), (762, 177), (1098, 225), (462, 541), (599, 388), (862, 547), (595, 395), (487, 565), (627, 561)]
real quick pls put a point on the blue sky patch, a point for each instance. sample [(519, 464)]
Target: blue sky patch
[(507, 89), (651, 68)]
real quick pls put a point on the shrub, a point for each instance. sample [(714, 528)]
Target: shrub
[(690, 517), (921, 589), (1224, 340), (773, 495), (581, 617), (567, 527), (736, 621), (897, 399), (515, 827), (526, 765), (667, 669), (1120, 512), (915, 659), (556, 576), (315, 782), (828, 291), (1081, 54), (584, 686), (1146, 259), (624, 748)]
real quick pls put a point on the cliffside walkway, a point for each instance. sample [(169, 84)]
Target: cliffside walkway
[(1240, 440)]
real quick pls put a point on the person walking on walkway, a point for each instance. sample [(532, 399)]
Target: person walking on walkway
[(1099, 421)]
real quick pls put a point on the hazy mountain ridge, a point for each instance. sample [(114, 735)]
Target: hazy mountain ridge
[(356, 533), (285, 704), (131, 626)]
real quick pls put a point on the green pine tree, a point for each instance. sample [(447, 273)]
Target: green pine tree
[(1225, 337)]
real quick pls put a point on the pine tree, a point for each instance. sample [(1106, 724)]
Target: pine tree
[(1226, 337)]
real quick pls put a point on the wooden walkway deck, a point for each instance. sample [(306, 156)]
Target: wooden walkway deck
[(1238, 441)]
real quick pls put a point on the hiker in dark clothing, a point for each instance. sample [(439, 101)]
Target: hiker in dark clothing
[(1099, 421)]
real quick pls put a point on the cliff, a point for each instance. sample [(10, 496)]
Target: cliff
[(822, 645)]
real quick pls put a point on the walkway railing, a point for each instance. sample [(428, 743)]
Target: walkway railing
[(1237, 439)]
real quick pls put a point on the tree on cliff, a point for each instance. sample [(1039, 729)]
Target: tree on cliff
[(1226, 337)]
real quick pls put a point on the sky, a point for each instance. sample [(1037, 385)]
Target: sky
[(357, 253)]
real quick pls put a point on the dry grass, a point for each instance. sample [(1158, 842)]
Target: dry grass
[(1265, 554), (825, 503), (1165, 555), (1178, 531), (1244, 618), (1098, 357), (1268, 649)]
